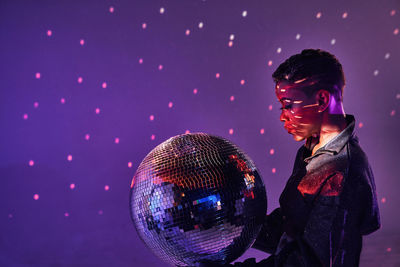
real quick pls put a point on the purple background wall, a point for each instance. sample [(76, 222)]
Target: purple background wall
[(150, 69)]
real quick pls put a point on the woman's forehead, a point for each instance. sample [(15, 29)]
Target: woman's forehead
[(285, 89), (284, 94)]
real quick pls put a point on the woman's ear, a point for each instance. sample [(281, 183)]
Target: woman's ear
[(323, 99)]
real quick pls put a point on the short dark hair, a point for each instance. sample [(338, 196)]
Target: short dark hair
[(313, 62)]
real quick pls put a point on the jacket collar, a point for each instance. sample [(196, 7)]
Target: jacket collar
[(337, 143)]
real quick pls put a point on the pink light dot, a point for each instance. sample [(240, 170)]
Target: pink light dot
[(187, 32), (170, 104), (232, 98), (10, 216), (273, 170), (36, 196), (25, 116), (396, 31), (262, 131), (37, 75), (383, 200), (116, 140), (217, 75), (140, 60), (319, 14), (195, 91), (152, 137), (62, 100), (31, 163), (392, 112), (129, 164), (87, 136), (230, 131), (49, 33), (242, 82), (270, 107), (35, 105), (82, 42), (360, 125), (104, 85), (106, 188), (151, 117), (97, 110), (270, 63), (69, 158), (272, 151), (100, 212), (187, 131), (144, 26), (230, 44), (160, 67), (392, 12), (344, 15), (72, 186), (80, 79), (66, 214), (111, 9), (389, 249)]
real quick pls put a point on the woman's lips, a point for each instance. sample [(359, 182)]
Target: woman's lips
[(289, 129)]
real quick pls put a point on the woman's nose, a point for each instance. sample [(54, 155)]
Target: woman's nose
[(282, 116)]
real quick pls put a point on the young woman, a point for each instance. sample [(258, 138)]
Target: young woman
[(329, 201)]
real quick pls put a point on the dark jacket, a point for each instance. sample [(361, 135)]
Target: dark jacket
[(328, 204)]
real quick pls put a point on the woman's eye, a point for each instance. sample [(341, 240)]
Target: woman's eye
[(286, 107)]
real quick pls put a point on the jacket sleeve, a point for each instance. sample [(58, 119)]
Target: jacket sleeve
[(271, 231), (336, 224), (367, 201)]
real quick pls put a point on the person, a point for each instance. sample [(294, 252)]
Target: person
[(329, 202)]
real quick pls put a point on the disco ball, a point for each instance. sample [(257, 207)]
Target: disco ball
[(197, 197)]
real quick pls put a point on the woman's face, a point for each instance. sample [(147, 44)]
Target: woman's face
[(299, 112)]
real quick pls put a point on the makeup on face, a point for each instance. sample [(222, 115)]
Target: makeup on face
[(298, 111)]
